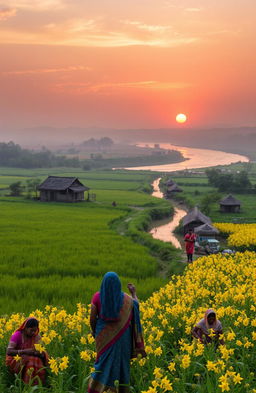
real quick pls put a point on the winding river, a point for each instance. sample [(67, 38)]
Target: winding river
[(196, 158), (165, 230)]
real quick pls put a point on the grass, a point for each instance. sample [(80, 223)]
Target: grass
[(195, 188), (56, 253)]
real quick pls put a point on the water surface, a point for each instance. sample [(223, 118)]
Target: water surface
[(164, 229), (196, 158)]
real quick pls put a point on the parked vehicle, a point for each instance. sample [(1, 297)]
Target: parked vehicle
[(207, 246)]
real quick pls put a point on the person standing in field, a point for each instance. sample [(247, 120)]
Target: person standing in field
[(115, 324), (21, 355), (190, 239)]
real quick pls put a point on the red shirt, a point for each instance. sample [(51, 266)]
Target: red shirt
[(190, 242)]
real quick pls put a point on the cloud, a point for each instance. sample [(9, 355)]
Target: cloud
[(47, 70), (193, 9), (105, 88), (150, 28), (98, 32), (37, 5), (6, 13)]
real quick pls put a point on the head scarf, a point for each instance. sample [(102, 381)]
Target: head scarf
[(207, 313), (111, 297), (24, 325)]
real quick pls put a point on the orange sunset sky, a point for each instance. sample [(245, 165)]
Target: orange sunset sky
[(133, 63)]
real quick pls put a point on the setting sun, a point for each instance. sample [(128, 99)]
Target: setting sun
[(181, 118)]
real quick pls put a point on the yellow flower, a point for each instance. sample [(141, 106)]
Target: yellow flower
[(64, 363), (83, 340), (54, 365), (237, 378), (171, 366), (230, 336), (166, 385), (17, 358), (85, 355), (224, 386), (211, 366), (158, 373), (39, 348), (46, 340), (185, 362), (158, 351)]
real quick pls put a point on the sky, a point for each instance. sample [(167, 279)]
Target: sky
[(127, 64)]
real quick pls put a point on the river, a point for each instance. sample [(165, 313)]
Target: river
[(164, 229), (196, 158)]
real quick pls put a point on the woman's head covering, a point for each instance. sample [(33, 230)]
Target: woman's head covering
[(206, 315), (111, 297), (29, 322)]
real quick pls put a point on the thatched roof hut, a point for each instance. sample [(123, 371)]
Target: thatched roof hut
[(62, 189), (172, 189), (169, 182), (194, 219), (206, 230), (230, 204)]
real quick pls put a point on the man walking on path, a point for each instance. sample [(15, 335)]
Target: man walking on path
[(190, 239)]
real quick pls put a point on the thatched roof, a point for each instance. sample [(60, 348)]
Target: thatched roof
[(174, 188), (169, 182), (196, 215), (58, 183), (230, 201), (206, 229)]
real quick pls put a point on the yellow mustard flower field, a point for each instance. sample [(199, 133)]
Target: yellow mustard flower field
[(240, 236), (175, 361)]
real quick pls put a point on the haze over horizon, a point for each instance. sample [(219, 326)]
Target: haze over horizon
[(126, 65)]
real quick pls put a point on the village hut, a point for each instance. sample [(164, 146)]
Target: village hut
[(206, 231), (194, 219), (62, 189), (230, 204), (169, 183), (172, 190)]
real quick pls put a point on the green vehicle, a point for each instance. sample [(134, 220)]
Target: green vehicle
[(207, 246)]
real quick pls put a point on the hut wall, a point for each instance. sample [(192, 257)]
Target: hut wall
[(61, 196), (230, 209)]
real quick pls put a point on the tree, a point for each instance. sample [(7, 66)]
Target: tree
[(208, 201), (16, 188), (31, 186)]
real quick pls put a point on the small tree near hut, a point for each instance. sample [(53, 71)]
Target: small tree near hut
[(16, 188)]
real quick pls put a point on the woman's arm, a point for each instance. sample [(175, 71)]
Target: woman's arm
[(196, 333), (13, 351), (93, 318), (132, 290)]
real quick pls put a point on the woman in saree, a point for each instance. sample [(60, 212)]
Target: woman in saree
[(202, 331), (115, 324), (22, 357)]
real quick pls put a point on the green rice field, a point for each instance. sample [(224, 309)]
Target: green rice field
[(56, 253)]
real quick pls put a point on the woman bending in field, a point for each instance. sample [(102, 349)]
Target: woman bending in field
[(22, 357), (202, 331), (115, 323)]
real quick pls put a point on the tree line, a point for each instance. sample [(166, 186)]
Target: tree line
[(12, 155), (229, 182)]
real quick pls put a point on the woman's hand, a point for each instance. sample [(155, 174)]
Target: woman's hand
[(132, 289), (30, 352)]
